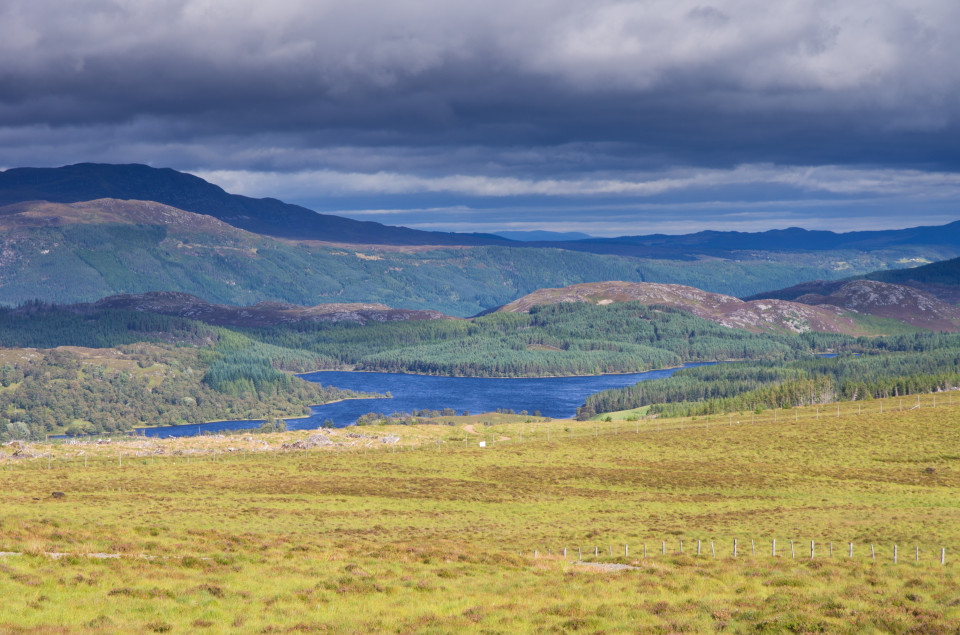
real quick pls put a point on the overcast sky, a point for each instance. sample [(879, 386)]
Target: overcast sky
[(596, 116)]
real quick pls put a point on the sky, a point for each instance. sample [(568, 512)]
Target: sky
[(598, 116)]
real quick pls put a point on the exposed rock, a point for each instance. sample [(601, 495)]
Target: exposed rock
[(317, 440)]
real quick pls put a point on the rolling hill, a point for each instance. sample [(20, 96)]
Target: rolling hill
[(939, 279), (261, 314), (81, 252), (272, 217), (268, 216), (854, 308)]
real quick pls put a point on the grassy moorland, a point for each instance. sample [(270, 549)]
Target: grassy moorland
[(442, 537)]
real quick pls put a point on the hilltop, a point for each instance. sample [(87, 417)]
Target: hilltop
[(80, 252), (895, 301), (839, 307), (756, 316), (268, 216)]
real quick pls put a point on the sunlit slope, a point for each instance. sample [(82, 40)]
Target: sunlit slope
[(443, 538)]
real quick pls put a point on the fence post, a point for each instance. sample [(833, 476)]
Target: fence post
[(753, 548), (663, 547), (851, 549), (681, 546), (943, 555), (626, 551), (831, 549), (793, 554), (894, 554), (698, 547), (773, 549), (873, 553), (579, 554), (734, 547), (712, 549), (811, 550), (918, 553)]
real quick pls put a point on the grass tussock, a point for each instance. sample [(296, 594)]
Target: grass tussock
[(443, 538)]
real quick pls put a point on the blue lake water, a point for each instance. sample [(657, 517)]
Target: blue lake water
[(557, 397)]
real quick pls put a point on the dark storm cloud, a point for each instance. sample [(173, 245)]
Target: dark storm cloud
[(569, 98)]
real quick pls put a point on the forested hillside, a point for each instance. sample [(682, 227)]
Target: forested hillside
[(122, 369), (559, 339), (883, 367), (86, 251)]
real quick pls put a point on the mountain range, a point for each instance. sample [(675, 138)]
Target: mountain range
[(268, 216), (80, 233)]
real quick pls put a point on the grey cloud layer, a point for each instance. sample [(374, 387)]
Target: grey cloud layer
[(471, 69), (493, 98)]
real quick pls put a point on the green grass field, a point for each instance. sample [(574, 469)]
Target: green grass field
[(439, 537)]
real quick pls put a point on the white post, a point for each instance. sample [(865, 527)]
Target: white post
[(734, 547), (579, 554), (793, 554), (873, 553), (773, 549), (698, 547), (851, 549), (663, 547), (753, 548), (712, 549), (811, 550), (626, 551), (681, 546), (894, 554), (943, 555), (918, 553)]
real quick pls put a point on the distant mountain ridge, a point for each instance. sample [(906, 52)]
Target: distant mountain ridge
[(268, 216)]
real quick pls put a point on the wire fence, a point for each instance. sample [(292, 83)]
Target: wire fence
[(735, 548)]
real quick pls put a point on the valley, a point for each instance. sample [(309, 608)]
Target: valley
[(297, 430)]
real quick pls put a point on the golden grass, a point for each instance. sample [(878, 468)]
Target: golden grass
[(430, 539)]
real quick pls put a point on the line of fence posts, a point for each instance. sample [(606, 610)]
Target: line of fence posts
[(753, 550)]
